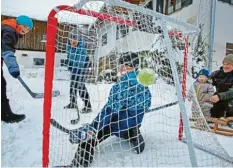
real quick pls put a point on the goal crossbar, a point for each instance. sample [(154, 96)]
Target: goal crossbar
[(50, 48)]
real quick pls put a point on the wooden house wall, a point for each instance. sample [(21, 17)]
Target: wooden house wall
[(32, 40)]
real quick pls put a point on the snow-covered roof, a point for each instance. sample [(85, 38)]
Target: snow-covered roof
[(38, 9)]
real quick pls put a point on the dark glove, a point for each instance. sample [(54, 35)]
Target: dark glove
[(15, 74)]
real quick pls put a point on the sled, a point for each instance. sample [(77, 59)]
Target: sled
[(220, 125)]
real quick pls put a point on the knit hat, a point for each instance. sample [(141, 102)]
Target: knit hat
[(74, 34), (203, 72), (24, 20), (229, 59)]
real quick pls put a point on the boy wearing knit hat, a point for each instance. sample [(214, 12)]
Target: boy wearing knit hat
[(12, 30), (204, 90), (78, 62), (223, 81)]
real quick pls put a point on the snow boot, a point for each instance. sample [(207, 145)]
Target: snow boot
[(136, 140), (86, 110), (8, 116), (71, 106), (87, 107), (84, 154)]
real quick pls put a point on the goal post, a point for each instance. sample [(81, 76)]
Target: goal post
[(162, 44)]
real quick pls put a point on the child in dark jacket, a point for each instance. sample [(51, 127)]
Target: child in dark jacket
[(223, 81), (78, 62), (11, 31)]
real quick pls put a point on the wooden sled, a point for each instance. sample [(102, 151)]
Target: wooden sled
[(220, 130), (218, 127)]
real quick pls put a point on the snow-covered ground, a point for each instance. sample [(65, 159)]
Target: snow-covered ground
[(22, 142)]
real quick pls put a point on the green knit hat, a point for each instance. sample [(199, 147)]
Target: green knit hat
[(229, 59)]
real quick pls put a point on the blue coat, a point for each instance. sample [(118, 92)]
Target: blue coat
[(78, 59), (127, 103), (9, 40)]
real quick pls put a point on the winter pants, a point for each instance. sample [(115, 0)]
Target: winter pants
[(220, 109), (85, 152), (77, 85)]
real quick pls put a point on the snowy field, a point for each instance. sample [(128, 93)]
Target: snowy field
[(22, 142)]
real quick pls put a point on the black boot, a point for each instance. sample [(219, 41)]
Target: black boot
[(87, 107), (84, 154), (8, 116), (137, 140), (86, 110), (71, 106)]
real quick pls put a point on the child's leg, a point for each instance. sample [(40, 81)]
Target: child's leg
[(85, 152), (218, 110), (84, 95), (73, 91), (136, 139)]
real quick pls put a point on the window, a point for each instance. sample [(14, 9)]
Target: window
[(122, 31), (24, 55), (227, 1), (159, 6), (38, 61), (174, 5), (104, 39), (43, 39), (63, 62), (229, 48)]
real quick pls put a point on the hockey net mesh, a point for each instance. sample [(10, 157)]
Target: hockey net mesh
[(104, 41)]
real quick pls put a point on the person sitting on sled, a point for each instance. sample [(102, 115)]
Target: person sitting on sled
[(204, 91), (121, 116)]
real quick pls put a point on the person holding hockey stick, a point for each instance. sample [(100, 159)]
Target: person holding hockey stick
[(121, 116), (12, 30), (78, 62)]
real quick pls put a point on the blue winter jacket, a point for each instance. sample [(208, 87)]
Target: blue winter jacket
[(127, 103), (78, 59)]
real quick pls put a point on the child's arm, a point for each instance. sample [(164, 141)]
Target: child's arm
[(210, 92), (116, 101)]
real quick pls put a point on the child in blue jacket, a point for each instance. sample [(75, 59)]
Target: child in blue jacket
[(78, 62), (121, 116)]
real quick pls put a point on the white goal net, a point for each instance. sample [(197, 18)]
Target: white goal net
[(102, 60)]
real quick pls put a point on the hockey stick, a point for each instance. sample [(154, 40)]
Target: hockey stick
[(36, 95), (54, 123), (162, 107)]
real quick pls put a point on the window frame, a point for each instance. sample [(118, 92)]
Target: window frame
[(39, 61), (227, 1), (176, 5)]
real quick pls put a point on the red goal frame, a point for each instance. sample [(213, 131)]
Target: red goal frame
[(49, 67)]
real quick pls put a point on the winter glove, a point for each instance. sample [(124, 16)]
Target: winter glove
[(11, 63), (15, 74), (82, 134)]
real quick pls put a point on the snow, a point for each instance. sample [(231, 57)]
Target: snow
[(22, 142), (26, 7)]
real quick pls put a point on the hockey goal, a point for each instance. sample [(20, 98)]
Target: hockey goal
[(162, 43)]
